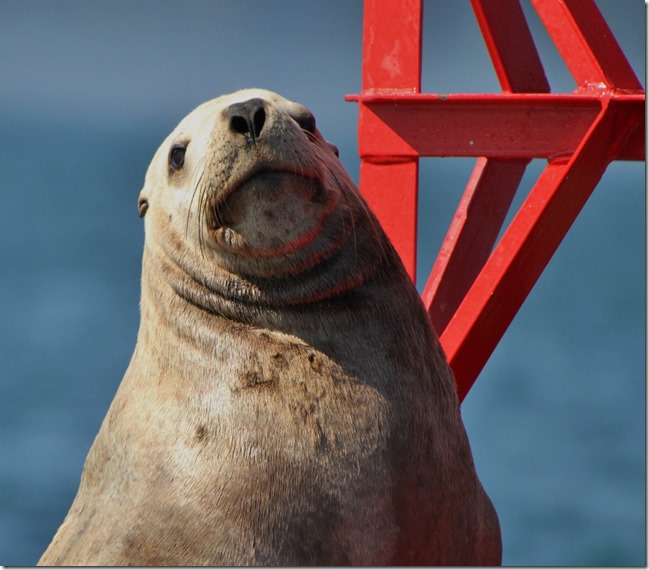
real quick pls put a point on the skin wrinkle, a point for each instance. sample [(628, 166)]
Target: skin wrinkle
[(287, 402)]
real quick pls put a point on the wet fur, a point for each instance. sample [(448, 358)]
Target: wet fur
[(279, 409)]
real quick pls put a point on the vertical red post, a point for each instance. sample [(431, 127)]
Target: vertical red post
[(392, 62)]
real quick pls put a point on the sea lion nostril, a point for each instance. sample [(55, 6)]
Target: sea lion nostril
[(239, 124), (258, 120), (248, 118)]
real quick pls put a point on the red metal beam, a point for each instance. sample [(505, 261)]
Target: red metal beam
[(511, 47), (528, 244), (390, 188), (587, 44), (473, 292), (507, 126), (392, 46), (392, 61), (494, 182), (471, 236)]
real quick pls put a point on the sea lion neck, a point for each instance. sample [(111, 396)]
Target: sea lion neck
[(173, 281)]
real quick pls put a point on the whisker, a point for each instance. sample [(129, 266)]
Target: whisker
[(350, 214), (196, 184), (375, 225), (204, 201)]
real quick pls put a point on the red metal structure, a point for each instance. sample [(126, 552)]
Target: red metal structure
[(477, 286)]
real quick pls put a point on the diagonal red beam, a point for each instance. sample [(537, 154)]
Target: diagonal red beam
[(587, 44), (528, 244), (493, 184), (511, 46), (471, 236)]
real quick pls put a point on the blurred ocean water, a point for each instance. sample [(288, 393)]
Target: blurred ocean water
[(556, 420)]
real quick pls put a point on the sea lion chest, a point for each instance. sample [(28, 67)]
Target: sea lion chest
[(248, 452)]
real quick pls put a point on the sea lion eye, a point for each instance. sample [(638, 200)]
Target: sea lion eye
[(177, 156)]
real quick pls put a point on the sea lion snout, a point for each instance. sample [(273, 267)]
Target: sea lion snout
[(247, 118)]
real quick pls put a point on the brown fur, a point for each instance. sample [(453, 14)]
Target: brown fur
[(287, 402)]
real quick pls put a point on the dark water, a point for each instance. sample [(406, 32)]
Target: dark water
[(556, 421)]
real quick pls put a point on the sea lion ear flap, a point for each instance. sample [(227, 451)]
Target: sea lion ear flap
[(333, 148), (142, 205)]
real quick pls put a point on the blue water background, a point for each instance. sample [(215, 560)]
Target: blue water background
[(556, 419)]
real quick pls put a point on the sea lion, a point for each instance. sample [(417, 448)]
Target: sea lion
[(287, 402)]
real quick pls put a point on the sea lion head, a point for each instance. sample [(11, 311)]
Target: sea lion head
[(249, 200)]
